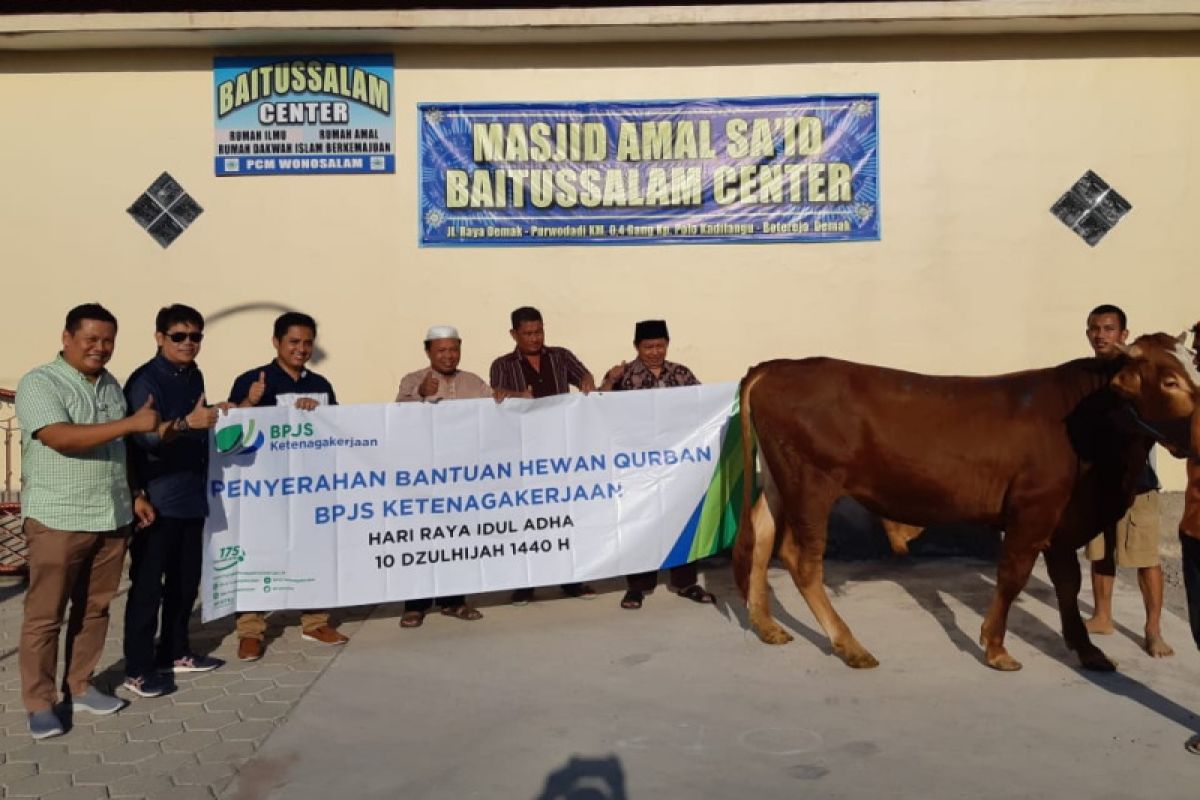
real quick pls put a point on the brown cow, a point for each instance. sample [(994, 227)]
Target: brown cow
[(1173, 438), (1038, 454)]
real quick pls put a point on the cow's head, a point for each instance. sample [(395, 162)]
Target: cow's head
[(1160, 377)]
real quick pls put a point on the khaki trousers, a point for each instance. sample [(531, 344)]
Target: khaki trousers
[(85, 568), (253, 624)]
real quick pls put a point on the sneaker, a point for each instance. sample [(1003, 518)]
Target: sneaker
[(324, 635), (194, 663), (147, 685), (522, 597), (44, 724), (249, 649), (94, 701)]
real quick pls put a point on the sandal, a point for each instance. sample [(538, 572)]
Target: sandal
[(697, 594), (412, 619), (632, 600), (1193, 745), (579, 590), (463, 612)]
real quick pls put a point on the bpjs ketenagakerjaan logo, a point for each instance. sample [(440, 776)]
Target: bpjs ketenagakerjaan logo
[(238, 439)]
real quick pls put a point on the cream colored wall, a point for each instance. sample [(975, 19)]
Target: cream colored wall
[(973, 275)]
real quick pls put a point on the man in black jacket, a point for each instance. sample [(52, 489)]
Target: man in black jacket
[(170, 464)]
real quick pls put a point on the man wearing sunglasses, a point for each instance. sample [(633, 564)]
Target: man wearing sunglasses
[(171, 465)]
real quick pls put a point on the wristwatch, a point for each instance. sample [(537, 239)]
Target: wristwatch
[(181, 425)]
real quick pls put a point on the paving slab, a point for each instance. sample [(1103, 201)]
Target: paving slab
[(566, 698), (152, 746)]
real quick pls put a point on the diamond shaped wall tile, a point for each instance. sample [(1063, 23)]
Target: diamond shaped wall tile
[(1091, 208), (164, 230), (145, 210), (165, 210), (165, 190), (185, 210)]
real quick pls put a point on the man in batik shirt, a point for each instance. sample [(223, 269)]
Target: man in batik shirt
[(651, 370)]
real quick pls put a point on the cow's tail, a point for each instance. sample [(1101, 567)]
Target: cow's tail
[(743, 547)]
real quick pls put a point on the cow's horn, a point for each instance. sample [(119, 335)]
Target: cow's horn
[(1123, 348), (1181, 338)]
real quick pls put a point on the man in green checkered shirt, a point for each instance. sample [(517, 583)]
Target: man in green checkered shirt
[(78, 506)]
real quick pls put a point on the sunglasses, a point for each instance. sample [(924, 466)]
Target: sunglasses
[(179, 336)]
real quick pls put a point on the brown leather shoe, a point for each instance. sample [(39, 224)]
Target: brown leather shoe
[(250, 649), (324, 635)]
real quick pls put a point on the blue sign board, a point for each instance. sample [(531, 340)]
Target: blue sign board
[(778, 169), (283, 115)]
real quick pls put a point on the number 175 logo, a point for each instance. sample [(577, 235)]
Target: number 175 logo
[(228, 558)]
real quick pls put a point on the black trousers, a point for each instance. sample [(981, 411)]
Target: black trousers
[(682, 577), (1191, 582), (426, 603), (164, 575)]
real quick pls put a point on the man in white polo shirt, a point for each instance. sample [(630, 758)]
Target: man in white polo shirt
[(77, 505)]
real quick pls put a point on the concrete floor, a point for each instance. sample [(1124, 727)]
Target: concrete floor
[(582, 700)]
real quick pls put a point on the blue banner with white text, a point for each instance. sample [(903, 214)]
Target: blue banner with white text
[(769, 169)]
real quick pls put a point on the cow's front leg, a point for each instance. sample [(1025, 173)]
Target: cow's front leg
[(1063, 565), (1016, 564)]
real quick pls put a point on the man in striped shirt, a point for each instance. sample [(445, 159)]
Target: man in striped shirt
[(533, 370)]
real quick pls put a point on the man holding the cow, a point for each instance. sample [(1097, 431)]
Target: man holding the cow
[(1132, 542)]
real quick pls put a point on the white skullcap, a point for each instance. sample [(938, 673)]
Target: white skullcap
[(442, 332)]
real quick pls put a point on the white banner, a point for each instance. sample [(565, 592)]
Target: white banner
[(354, 505)]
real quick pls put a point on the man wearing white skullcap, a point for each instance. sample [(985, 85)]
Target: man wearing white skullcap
[(441, 380)]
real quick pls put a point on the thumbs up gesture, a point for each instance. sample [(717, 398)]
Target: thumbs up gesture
[(202, 417), (613, 375), (257, 389), (145, 419), (429, 385)]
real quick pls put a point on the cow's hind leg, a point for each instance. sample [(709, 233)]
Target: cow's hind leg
[(807, 566), (802, 550), (761, 540), (1063, 565)]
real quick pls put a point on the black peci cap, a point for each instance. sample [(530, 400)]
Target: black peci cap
[(650, 329)]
